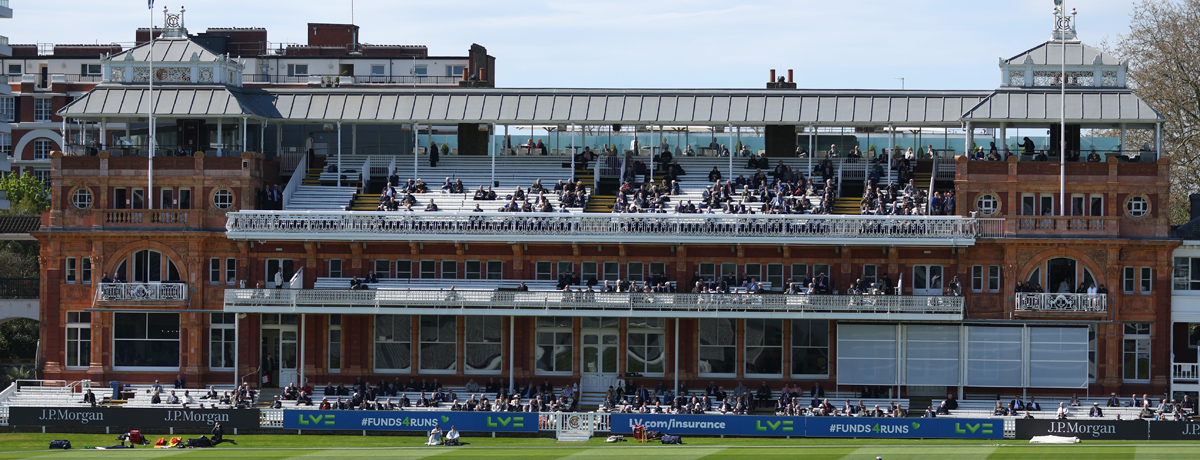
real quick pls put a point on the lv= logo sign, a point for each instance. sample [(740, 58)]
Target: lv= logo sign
[(517, 422)]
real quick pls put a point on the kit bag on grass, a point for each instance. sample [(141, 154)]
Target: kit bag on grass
[(670, 439), (60, 444)]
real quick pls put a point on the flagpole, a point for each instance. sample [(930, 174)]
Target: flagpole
[(149, 199)]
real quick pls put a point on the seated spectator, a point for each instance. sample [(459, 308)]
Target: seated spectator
[(435, 436), (452, 437), (1063, 411)]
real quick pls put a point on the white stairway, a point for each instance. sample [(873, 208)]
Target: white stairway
[(321, 198)]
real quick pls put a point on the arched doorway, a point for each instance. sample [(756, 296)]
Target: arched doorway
[(1061, 275), (146, 266)]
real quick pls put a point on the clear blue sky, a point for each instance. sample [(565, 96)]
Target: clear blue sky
[(933, 44)]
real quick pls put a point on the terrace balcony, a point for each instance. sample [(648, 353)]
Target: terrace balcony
[(948, 231), (624, 305), (142, 292), (1062, 303)]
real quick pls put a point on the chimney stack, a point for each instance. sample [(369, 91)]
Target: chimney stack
[(772, 75), (790, 76)]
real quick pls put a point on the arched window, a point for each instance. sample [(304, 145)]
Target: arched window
[(146, 266), (1062, 275)]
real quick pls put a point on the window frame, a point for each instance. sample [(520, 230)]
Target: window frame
[(42, 148), (333, 353), (775, 277), (72, 270), (427, 269), (1137, 206), (1140, 336), (404, 269), (155, 343), (724, 347), (90, 70), (432, 346), (470, 344), (77, 322), (589, 270), (495, 269), (385, 264), (612, 270), (747, 347), (638, 274), (927, 290), (561, 336), (1128, 282), (8, 109), (331, 271), (43, 109), (81, 198), (473, 270), (645, 331), (753, 270), (230, 270), (85, 270), (794, 345), (297, 70), (543, 270), (803, 274), (223, 198), (1145, 280), (214, 270), (983, 207), (226, 324), (399, 332)]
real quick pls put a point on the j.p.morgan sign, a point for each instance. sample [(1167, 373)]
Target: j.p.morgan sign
[(132, 417), (1082, 429)]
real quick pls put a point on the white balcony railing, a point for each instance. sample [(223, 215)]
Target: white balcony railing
[(110, 292), (1031, 301), (1185, 371), (535, 303), (558, 227)]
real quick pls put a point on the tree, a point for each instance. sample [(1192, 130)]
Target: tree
[(18, 341), (26, 193), (1164, 70), (19, 259)]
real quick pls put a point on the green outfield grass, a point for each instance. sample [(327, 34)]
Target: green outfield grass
[(271, 447)]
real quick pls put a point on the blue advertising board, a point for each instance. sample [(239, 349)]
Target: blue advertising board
[(409, 420), (966, 428), (713, 425), (815, 427), (859, 427)]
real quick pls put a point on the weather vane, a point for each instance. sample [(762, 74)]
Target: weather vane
[(1064, 24)]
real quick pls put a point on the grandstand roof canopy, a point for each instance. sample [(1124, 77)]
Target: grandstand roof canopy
[(699, 107)]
